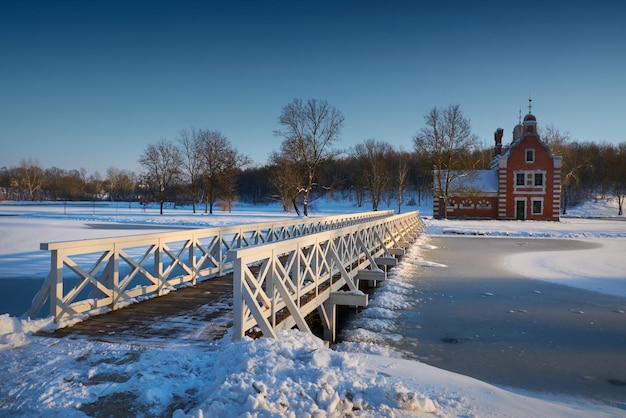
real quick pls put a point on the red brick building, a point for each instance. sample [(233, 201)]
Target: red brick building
[(524, 182)]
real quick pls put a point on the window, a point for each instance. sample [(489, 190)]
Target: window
[(466, 204), (537, 207), (519, 179), (483, 204), (538, 179), (530, 155)]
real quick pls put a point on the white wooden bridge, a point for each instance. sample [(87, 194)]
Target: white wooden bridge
[(281, 271)]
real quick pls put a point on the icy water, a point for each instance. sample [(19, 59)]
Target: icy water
[(17, 294), (457, 308)]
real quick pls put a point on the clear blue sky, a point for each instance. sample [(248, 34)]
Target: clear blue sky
[(89, 84)]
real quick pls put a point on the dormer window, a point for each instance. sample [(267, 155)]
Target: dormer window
[(530, 155)]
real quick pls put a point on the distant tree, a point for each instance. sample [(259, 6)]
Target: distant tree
[(448, 141), (162, 163), (120, 184), (220, 162), (111, 181), (558, 143), (285, 177), (254, 184), (93, 186), (192, 153), (616, 162), (373, 157), (30, 176), (53, 182), (73, 185), (6, 179), (309, 131), (402, 161)]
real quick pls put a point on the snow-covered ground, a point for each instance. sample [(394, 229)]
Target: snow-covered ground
[(293, 376)]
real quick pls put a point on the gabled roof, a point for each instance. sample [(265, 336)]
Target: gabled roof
[(465, 182)]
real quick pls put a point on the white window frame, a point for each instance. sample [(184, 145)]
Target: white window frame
[(529, 182), (532, 205), (532, 153)]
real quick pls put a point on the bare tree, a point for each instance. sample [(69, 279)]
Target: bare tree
[(401, 175), (30, 176), (558, 143), (120, 184), (162, 163), (93, 186), (53, 182), (191, 149), (219, 163), (373, 157), (310, 129), (6, 179), (285, 178), (616, 162), (448, 141)]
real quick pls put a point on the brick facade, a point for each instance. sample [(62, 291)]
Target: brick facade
[(527, 181)]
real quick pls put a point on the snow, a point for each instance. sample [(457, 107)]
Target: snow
[(296, 375)]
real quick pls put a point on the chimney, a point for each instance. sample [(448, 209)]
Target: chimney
[(497, 136)]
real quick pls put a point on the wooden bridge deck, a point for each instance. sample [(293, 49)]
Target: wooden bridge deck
[(202, 312)]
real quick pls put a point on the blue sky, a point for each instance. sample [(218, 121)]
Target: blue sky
[(87, 84)]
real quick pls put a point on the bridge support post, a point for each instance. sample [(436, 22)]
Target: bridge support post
[(328, 310)]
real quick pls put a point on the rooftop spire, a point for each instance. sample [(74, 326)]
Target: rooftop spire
[(530, 104)]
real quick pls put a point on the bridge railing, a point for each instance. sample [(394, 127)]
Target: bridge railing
[(276, 285), (98, 275)]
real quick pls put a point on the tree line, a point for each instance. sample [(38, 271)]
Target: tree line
[(200, 167)]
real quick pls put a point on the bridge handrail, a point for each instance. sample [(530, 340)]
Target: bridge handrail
[(161, 260), (277, 284)]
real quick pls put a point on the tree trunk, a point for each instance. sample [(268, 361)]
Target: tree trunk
[(305, 204)]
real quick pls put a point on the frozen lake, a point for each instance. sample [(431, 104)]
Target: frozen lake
[(466, 312)]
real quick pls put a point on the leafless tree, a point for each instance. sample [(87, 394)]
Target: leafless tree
[(162, 163), (616, 162), (93, 186), (309, 131), (402, 171), (120, 184), (448, 140), (220, 161), (30, 176), (373, 157), (191, 149), (111, 179), (285, 178), (6, 177), (558, 143)]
